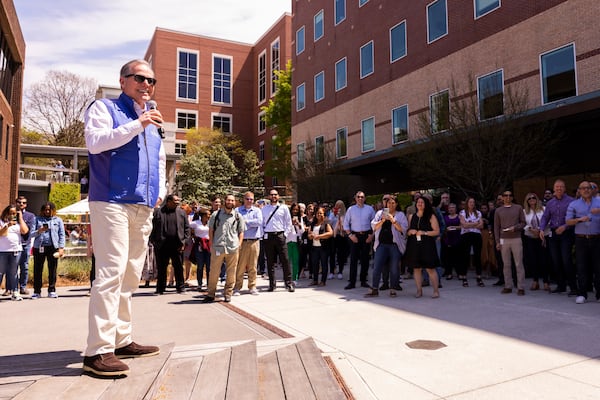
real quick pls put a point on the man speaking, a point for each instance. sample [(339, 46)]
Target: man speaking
[(127, 180)]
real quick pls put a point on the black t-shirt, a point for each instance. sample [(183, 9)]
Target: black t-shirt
[(385, 234)]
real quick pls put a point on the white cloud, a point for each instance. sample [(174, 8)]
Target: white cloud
[(93, 39)]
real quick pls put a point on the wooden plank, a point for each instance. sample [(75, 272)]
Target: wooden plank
[(323, 383), (11, 390), (295, 381), (212, 379), (270, 386), (48, 388), (243, 373), (86, 388), (178, 380)]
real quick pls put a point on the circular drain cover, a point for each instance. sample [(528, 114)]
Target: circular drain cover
[(425, 344)]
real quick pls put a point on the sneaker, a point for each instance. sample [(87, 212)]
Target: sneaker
[(208, 299), (7, 293), (254, 292), (236, 293), (227, 299), (330, 276), (53, 295), (16, 296), (105, 365), (35, 296), (24, 291), (580, 300), (340, 276), (134, 350)]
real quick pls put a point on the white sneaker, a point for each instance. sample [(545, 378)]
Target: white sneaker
[(236, 293), (16, 296), (35, 296), (53, 295), (254, 292), (580, 300), (340, 276), (297, 284), (330, 276)]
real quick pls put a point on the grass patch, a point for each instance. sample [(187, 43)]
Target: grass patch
[(71, 271)]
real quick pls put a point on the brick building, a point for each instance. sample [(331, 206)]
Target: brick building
[(12, 58), (210, 82), (366, 71)]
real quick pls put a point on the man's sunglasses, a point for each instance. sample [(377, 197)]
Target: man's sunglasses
[(142, 78)]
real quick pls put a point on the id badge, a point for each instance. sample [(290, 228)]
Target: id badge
[(418, 238), (42, 249), (217, 253), (266, 236), (501, 242)]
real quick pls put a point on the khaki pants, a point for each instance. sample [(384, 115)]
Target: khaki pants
[(120, 234), (247, 260), (514, 246), (231, 261)]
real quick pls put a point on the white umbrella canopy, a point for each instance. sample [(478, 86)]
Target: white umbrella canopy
[(82, 207)]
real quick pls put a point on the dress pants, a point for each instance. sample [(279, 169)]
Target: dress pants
[(275, 246), (587, 256), (359, 251), (247, 260), (169, 251), (514, 247), (561, 247)]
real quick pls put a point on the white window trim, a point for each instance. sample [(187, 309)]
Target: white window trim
[(298, 158), (261, 144), (427, 15), (260, 115), (362, 4), (362, 150), (345, 59), (182, 110), (345, 128), (303, 28), (476, 17), (405, 41), (315, 39), (262, 53), (184, 99), (212, 80), (407, 123), (501, 70), (316, 149), (431, 109), (372, 43), (542, 77), (215, 114), (273, 92), (336, 23), (315, 86), (179, 141), (303, 84)]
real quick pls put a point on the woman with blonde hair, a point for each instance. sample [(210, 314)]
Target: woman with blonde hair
[(534, 252)]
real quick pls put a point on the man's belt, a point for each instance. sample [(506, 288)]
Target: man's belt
[(275, 233), (250, 240), (587, 236), (362, 233)]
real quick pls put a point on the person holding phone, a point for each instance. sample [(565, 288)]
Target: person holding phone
[(12, 226), (48, 239)]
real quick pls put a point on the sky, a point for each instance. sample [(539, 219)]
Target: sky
[(93, 39)]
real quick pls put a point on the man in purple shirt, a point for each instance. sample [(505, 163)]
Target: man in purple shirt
[(560, 241)]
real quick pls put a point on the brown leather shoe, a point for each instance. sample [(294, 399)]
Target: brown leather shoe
[(535, 285), (134, 350), (372, 293), (105, 365), (521, 292), (506, 291)]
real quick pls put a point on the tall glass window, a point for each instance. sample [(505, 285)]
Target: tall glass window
[(318, 23), (222, 80), (319, 149), (490, 95), (341, 79), (262, 124), (187, 75), (274, 65), (261, 151), (340, 11), (262, 77), (368, 134), (300, 40), (341, 142), (300, 97), (558, 74), (399, 124), (439, 106), (366, 60), (437, 20), (301, 154), (319, 86), (483, 7), (398, 41)]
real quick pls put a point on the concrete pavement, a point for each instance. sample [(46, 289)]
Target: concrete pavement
[(496, 346)]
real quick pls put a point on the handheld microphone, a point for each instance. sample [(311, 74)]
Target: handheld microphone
[(152, 105)]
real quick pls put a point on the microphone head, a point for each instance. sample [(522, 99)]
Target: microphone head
[(151, 104)]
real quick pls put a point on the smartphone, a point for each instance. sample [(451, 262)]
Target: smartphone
[(386, 212), (45, 226)]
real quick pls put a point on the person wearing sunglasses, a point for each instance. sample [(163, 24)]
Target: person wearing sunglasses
[(127, 164)]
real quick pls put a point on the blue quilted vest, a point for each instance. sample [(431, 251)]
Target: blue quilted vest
[(130, 173)]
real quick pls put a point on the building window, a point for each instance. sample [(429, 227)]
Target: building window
[(301, 97), (222, 80), (437, 20), (274, 181), (341, 143), (262, 124), (319, 149), (368, 134), (490, 95), (362, 2), (398, 41), (318, 23), (340, 11), (274, 65), (558, 74), (262, 77), (221, 122), (399, 124), (341, 79), (300, 40), (483, 7), (366, 60), (439, 106), (187, 75), (261, 152), (186, 119), (300, 154), (319, 86), (180, 148)]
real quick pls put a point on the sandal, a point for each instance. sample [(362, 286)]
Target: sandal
[(419, 294), (392, 293), (480, 282), (372, 293)]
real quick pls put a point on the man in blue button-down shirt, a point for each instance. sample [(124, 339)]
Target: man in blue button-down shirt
[(584, 214), (250, 245)]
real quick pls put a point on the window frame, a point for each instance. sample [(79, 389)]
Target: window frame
[(431, 97), (300, 161), (371, 44), (476, 14), (543, 81), (317, 86), (429, 40), (179, 97), (303, 87), (315, 24), (338, 145), (394, 141), (275, 64), (188, 112), (338, 19), (261, 117), (223, 57), (262, 82), (362, 135), (261, 152), (345, 61), (222, 115), (392, 59), (362, 3), (303, 29), (319, 149), (480, 100)]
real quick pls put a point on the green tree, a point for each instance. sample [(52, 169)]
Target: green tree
[(278, 116), (249, 176)]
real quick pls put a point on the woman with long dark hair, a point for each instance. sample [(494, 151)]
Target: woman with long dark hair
[(319, 234), (12, 226), (471, 223)]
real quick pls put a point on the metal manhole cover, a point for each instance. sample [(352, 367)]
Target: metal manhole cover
[(426, 344)]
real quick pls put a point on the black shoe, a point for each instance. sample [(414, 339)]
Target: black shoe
[(499, 283), (227, 299), (290, 287), (349, 286), (364, 284), (558, 290), (271, 289), (208, 299), (398, 288), (384, 287)]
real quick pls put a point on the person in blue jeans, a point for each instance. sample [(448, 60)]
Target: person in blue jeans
[(23, 262)]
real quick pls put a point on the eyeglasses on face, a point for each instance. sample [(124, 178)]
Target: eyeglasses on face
[(249, 199), (585, 187), (141, 78), (273, 194), (532, 198), (506, 194), (360, 197), (21, 202)]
